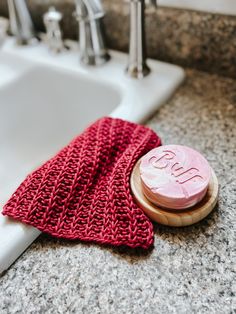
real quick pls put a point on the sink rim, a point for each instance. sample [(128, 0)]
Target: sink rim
[(111, 73)]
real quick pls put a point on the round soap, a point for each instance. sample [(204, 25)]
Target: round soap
[(174, 176)]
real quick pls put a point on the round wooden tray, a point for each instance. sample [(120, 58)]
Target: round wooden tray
[(175, 218)]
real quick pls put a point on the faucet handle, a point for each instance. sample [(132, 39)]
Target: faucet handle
[(52, 20)]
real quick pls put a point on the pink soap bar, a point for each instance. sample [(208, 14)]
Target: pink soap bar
[(174, 176)]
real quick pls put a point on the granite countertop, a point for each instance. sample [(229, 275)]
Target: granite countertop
[(190, 270)]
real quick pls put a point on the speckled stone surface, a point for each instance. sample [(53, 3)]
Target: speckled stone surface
[(189, 38), (190, 270)]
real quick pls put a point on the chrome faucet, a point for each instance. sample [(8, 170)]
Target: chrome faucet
[(92, 43), (93, 50), (20, 21)]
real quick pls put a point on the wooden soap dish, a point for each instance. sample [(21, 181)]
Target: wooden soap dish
[(175, 218)]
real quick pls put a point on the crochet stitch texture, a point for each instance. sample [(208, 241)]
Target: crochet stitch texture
[(84, 192)]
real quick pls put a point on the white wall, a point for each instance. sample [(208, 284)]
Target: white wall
[(213, 6)]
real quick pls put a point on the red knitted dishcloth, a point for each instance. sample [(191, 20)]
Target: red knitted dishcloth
[(84, 193)]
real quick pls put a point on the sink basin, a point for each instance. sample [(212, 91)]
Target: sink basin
[(46, 100), (40, 112), (11, 68)]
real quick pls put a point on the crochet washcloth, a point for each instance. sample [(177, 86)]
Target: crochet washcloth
[(84, 192)]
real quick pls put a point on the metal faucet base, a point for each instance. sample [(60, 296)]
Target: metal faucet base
[(138, 72), (95, 60)]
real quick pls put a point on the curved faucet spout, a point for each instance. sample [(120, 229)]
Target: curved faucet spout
[(93, 50), (20, 21), (89, 9)]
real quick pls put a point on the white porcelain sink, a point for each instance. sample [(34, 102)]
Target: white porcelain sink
[(46, 100)]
